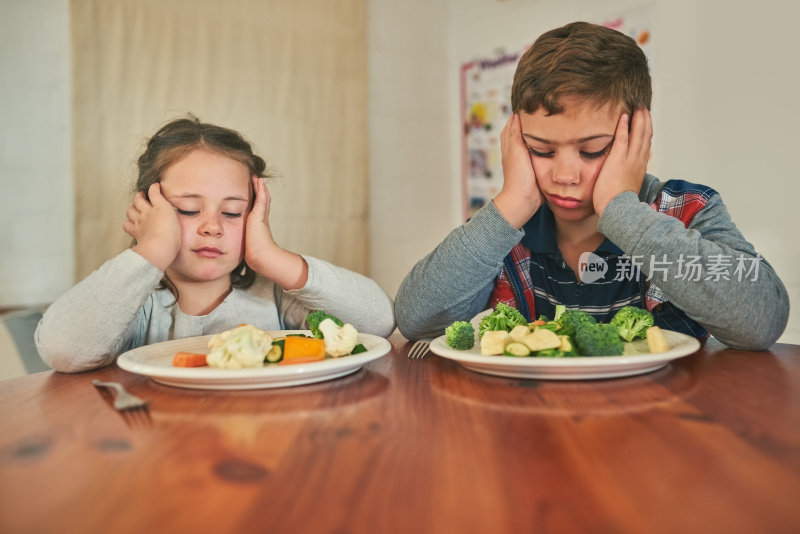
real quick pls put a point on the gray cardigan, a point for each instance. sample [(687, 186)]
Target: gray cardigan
[(455, 280), (118, 308)]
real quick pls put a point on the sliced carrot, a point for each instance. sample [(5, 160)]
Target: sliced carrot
[(539, 322), (301, 359), (300, 347), (189, 359)]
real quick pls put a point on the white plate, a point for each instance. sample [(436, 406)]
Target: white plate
[(155, 361), (572, 368)]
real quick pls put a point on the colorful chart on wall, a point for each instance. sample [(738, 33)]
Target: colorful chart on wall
[(485, 108)]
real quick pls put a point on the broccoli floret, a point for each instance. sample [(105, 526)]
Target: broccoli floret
[(460, 335), (598, 340), (570, 320), (314, 318), (632, 322), (503, 317)]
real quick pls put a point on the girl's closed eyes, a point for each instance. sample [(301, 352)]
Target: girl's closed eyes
[(192, 213), (192, 205), (584, 154)]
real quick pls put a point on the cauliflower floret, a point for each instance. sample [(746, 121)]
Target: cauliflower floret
[(542, 339), (339, 340), (519, 332), (239, 348), (494, 342)]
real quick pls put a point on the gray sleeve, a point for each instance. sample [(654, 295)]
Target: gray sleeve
[(454, 282), (90, 324), (350, 296), (744, 309)]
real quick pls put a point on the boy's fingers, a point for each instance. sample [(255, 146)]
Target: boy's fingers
[(516, 128), (641, 132), (621, 135), (504, 133), (512, 129), (648, 129)]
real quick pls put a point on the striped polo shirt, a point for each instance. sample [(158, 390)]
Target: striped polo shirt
[(536, 271)]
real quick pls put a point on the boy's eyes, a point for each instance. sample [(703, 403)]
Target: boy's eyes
[(540, 154), (594, 155)]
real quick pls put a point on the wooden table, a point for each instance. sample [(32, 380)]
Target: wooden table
[(709, 444)]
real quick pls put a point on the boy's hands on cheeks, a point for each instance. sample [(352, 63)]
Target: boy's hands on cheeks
[(285, 268), (626, 164), (520, 196), (155, 227)]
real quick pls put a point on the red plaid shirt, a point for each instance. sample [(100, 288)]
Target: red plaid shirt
[(677, 198)]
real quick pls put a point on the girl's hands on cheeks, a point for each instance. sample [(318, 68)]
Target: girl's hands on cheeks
[(258, 235), (262, 254), (626, 164), (520, 196), (155, 227)]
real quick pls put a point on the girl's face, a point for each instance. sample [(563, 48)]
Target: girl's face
[(211, 194), (568, 151)]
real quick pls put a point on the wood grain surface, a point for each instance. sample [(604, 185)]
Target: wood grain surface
[(711, 443)]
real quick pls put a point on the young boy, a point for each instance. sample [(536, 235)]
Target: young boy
[(579, 222)]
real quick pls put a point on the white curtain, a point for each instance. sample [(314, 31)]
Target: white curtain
[(290, 75)]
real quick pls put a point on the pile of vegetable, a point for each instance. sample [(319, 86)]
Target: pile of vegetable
[(505, 331), (247, 346)]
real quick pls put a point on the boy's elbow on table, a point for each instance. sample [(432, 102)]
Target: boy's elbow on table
[(749, 341), (760, 333)]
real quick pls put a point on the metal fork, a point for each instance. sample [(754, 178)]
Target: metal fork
[(420, 349), (133, 409)]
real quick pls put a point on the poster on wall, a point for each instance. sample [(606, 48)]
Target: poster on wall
[(486, 106)]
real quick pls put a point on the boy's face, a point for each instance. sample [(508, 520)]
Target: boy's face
[(568, 151)]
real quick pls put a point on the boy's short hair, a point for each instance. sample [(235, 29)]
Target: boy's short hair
[(584, 60)]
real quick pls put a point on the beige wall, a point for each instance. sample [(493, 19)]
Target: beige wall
[(291, 76)]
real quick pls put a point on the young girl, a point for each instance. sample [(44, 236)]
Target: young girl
[(204, 260)]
